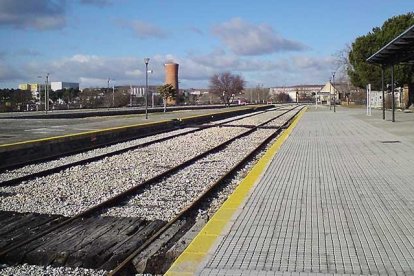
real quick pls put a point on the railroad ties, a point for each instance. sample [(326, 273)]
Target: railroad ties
[(94, 242)]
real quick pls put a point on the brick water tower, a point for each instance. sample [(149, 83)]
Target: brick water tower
[(171, 77)]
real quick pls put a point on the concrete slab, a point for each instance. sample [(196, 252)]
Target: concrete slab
[(18, 129)]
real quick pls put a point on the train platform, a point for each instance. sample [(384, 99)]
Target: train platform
[(333, 196), (23, 127)]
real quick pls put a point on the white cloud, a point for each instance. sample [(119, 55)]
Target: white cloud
[(39, 15), (194, 70), (142, 29), (247, 39)]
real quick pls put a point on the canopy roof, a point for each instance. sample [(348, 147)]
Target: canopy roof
[(399, 50)]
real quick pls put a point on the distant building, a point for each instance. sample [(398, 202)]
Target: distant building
[(35, 88), (344, 93), (59, 85), (326, 94), (302, 91), (24, 86), (139, 90)]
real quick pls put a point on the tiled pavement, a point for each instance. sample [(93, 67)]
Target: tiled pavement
[(338, 198)]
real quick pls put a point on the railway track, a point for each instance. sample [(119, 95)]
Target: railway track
[(98, 226)]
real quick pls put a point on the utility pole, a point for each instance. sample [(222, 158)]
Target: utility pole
[(107, 89), (113, 95), (47, 93)]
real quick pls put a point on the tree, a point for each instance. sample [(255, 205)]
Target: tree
[(92, 97), (282, 97), (14, 100), (226, 86), (167, 91), (259, 94), (67, 95), (360, 72)]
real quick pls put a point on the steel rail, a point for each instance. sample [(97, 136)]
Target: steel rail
[(56, 169), (198, 201), (179, 125)]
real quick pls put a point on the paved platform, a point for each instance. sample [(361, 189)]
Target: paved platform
[(337, 198), (17, 129)]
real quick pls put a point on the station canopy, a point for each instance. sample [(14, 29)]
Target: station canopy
[(399, 50)]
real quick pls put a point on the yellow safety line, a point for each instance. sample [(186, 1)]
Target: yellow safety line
[(108, 129), (189, 261), (83, 133)]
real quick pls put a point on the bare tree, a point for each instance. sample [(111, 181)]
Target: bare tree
[(341, 60), (281, 97), (342, 67), (226, 86)]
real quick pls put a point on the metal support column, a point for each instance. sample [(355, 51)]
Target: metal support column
[(333, 85), (47, 93), (392, 93), (383, 93)]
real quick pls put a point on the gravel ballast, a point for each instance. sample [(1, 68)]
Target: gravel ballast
[(73, 190), (35, 270), (166, 199)]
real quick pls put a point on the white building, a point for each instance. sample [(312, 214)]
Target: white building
[(327, 94), (58, 85), (300, 90)]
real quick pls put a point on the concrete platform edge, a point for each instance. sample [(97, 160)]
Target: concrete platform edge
[(14, 154)]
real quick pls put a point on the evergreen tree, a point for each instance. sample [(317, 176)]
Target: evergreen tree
[(360, 72)]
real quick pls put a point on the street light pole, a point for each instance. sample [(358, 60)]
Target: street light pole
[(107, 90), (146, 60), (46, 93), (330, 94), (152, 92), (113, 94)]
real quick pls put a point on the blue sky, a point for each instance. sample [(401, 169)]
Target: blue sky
[(270, 43)]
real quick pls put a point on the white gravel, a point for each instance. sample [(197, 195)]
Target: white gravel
[(35, 270), (166, 199), (33, 168), (39, 167), (78, 188)]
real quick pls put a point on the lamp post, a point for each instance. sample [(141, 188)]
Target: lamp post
[(107, 90), (146, 60), (113, 94), (152, 92), (46, 92), (333, 80), (330, 94)]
